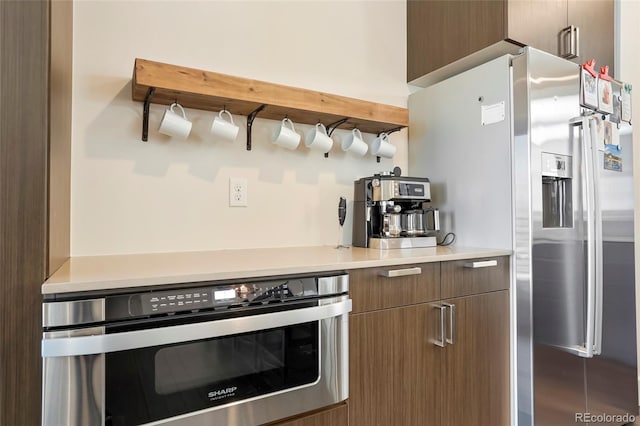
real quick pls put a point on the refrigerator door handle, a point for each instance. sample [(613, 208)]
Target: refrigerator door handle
[(598, 242), (587, 351)]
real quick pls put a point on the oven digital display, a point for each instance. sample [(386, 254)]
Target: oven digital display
[(224, 294)]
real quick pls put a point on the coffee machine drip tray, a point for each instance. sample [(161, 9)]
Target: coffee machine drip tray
[(401, 242)]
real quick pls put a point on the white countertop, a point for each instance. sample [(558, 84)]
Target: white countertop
[(88, 273)]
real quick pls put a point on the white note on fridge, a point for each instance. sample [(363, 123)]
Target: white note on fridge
[(491, 114)]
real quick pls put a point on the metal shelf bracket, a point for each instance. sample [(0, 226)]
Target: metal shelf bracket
[(332, 127), (145, 114), (250, 119)]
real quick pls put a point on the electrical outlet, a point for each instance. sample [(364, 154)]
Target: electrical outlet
[(238, 192)]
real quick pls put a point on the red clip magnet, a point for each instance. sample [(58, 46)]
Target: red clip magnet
[(589, 66), (604, 73)]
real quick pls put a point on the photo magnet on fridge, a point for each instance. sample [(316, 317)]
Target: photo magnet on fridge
[(616, 88), (589, 90), (612, 158), (605, 96), (605, 91)]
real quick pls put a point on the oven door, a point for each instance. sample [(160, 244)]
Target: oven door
[(247, 370)]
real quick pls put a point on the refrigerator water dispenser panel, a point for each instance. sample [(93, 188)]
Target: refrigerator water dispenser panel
[(557, 204)]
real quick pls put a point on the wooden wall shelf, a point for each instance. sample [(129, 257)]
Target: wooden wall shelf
[(156, 82)]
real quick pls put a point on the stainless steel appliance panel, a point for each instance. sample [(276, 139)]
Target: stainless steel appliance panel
[(58, 314), (256, 352), (521, 261), (468, 163), (331, 387), (559, 282), (78, 379)]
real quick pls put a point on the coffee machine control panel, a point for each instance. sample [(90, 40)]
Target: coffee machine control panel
[(396, 189)]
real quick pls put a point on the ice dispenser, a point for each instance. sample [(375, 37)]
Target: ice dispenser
[(557, 205)]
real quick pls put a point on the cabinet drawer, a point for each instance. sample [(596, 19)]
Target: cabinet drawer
[(336, 415), (473, 276), (387, 287)]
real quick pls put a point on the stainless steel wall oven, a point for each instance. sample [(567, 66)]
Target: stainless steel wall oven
[(219, 353)]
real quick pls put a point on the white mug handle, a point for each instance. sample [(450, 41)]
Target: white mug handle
[(322, 128), (229, 114), (384, 137), (356, 133), (173, 105), (287, 120)]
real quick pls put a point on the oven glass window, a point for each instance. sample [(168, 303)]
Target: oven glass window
[(184, 367), (150, 384)]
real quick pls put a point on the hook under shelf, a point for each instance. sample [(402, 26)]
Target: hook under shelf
[(145, 114), (332, 127), (250, 119)]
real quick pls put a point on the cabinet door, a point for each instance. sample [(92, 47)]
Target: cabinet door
[(595, 22), (394, 367), (475, 366), (440, 32), (336, 415), (537, 23)]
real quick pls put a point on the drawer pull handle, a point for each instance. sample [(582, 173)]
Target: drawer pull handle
[(401, 272), (482, 264)]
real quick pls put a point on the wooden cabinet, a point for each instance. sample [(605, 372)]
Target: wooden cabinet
[(393, 363), (537, 23), (336, 415), (474, 276), (595, 21), (394, 376), (541, 24), (380, 288), (475, 365), (35, 140), (440, 32), (402, 372)]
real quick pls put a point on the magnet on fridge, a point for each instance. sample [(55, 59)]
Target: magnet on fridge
[(614, 117), (612, 158), (625, 95), (605, 91), (589, 85), (599, 132)]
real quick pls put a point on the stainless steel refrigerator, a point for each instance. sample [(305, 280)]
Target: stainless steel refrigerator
[(516, 163)]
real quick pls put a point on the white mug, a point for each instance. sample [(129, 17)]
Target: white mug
[(224, 129), (286, 136), (355, 143), (317, 138), (173, 124), (381, 147)]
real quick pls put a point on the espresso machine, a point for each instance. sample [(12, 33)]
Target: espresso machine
[(389, 212)]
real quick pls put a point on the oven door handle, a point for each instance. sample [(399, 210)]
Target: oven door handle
[(105, 343)]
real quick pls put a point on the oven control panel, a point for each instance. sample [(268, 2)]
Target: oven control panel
[(241, 294)]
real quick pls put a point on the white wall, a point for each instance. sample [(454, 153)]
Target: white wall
[(168, 195)]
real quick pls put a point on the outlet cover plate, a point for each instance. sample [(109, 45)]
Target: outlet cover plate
[(238, 192)]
